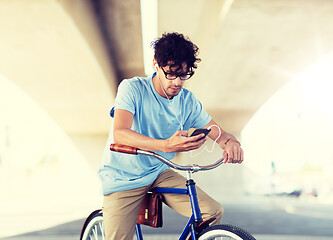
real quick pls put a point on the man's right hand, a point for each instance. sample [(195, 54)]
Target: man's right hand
[(181, 142)]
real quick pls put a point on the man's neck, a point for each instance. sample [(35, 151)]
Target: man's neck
[(158, 88)]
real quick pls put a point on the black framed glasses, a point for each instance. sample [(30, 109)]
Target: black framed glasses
[(173, 76)]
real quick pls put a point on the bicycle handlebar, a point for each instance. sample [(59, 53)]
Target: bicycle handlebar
[(193, 168)]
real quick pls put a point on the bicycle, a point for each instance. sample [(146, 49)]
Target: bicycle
[(195, 229)]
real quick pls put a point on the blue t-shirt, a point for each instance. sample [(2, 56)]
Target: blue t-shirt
[(155, 117)]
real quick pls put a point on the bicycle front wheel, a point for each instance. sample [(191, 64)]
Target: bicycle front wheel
[(93, 228), (225, 232)]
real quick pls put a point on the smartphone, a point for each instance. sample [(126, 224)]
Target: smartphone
[(196, 131)]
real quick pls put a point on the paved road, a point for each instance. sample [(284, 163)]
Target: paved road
[(266, 220)]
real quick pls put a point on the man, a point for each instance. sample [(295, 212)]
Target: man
[(154, 113)]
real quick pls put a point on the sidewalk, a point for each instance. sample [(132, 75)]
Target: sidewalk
[(267, 219), (173, 237)]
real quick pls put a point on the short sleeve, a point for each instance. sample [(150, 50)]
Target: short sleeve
[(199, 116), (125, 98)]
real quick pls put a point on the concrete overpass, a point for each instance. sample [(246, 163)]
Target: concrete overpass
[(70, 55)]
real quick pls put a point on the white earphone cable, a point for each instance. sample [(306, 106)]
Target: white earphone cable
[(205, 148), (181, 123), (181, 103)]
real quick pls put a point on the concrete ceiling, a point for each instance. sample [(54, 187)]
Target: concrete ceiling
[(249, 49), (60, 64), (70, 55), (120, 25)]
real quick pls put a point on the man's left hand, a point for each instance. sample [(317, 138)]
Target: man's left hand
[(233, 153)]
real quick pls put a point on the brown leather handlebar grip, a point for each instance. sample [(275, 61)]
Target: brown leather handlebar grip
[(123, 149)]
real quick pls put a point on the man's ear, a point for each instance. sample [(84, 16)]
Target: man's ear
[(155, 64)]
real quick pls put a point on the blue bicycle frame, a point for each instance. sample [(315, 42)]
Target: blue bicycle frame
[(194, 220), (193, 225)]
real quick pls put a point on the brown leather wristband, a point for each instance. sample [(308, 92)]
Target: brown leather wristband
[(231, 140)]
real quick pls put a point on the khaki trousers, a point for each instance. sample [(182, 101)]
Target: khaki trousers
[(121, 209)]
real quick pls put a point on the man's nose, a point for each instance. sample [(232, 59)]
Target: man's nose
[(178, 81)]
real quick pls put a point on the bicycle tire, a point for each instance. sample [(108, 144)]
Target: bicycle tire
[(225, 231), (93, 228)]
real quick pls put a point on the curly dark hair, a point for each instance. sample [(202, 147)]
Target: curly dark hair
[(174, 49)]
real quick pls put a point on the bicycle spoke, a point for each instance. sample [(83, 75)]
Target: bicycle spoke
[(95, 232), (101, 227)]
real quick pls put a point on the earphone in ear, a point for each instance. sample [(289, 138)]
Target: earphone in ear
[(156, 67)]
